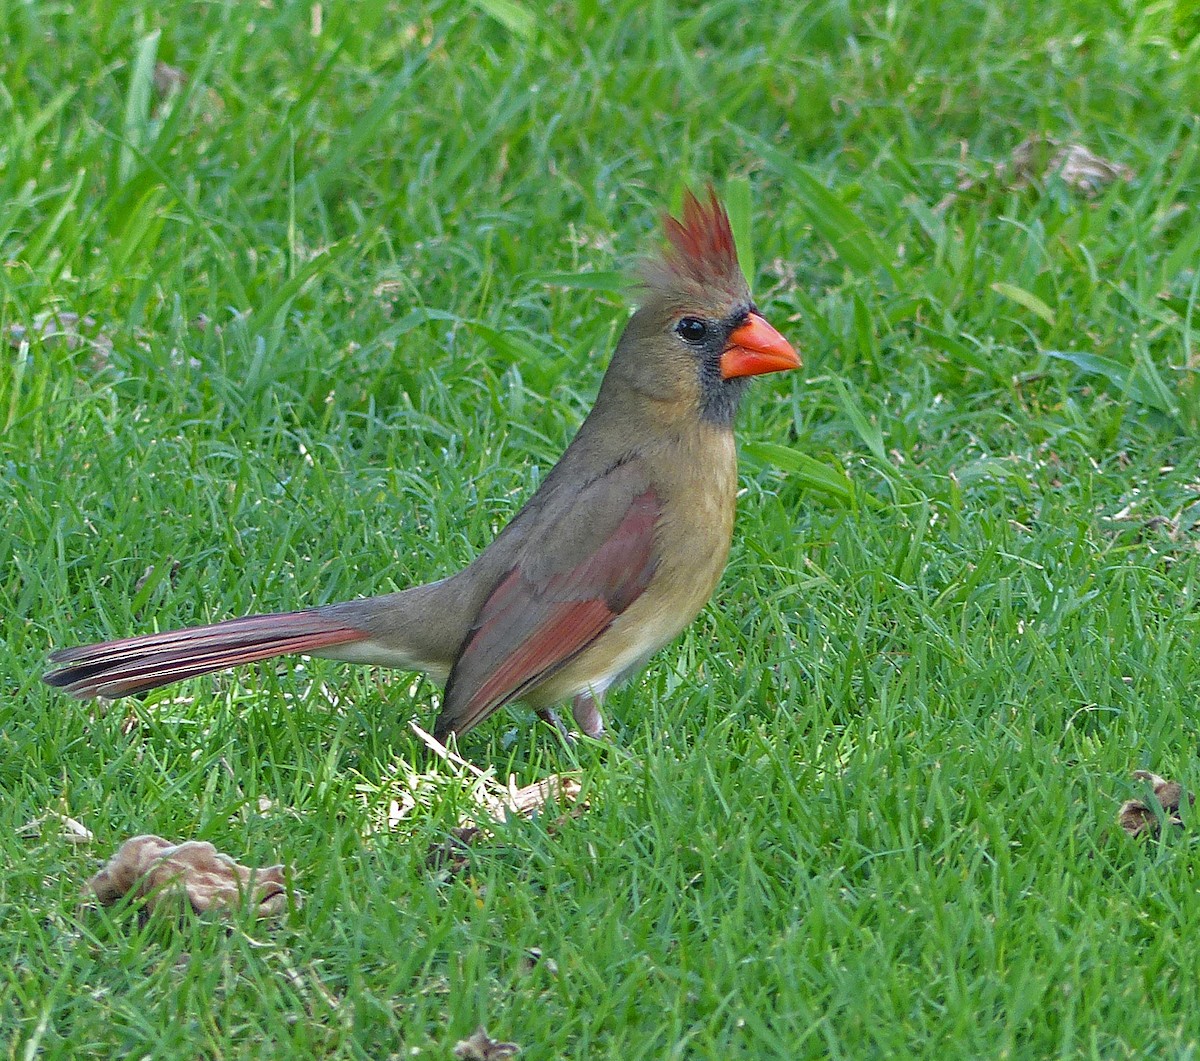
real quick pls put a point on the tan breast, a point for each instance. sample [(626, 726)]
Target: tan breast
[(698, 488)]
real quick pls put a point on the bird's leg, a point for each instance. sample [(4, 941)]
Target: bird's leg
[(586, 710), (549, 715)]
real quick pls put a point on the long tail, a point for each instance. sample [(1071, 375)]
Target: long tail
[(135, 664)]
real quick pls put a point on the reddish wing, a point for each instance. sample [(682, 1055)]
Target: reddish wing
[(528, 628)]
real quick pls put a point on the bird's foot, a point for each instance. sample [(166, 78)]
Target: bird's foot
[(586, 712), (549, 715)]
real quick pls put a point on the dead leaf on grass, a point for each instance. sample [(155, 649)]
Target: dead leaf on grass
[(67, 328), (1085, 171), (1138, 818), (527, 802), (1040, 157), (152, 868), (152, 570), (168, 78), (500, 802), (534, 959), (452, 856), (530, 800), (482, 1047)]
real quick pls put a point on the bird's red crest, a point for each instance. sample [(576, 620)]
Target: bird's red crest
[(700, 250)]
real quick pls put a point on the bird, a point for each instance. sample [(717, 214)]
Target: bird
[(617, 551)]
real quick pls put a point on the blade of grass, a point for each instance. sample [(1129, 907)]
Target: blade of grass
[(871, 434), (1132, 381), (514, 17), (135, 127), (1025, 298), (829, 216), (600, 280), (829, 480)]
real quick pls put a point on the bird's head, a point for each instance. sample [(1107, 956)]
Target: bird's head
[(698, 336)]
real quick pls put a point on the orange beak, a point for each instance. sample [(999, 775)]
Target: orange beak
[(755, 347)]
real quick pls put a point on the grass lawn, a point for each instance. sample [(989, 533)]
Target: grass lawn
[(336, 283)]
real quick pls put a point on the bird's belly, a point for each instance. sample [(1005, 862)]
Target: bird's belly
[(693, 540), (600, 666), (653, 620)]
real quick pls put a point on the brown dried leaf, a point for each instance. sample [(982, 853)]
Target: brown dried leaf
[(531, 799), (65, 327), (496, 802), (168, 78), (482, 1047), (453, 854), (149, 573), (1138, 818), (1039, 157), (149, 867), (1087, 172)]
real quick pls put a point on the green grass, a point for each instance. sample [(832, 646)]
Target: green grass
[(866, 806)]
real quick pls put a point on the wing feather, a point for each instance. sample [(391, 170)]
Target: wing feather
[(531, 626)]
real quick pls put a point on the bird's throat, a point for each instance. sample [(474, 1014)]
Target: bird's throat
[(720, 398)]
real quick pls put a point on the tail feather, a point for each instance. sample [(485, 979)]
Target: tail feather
[(136, 664)]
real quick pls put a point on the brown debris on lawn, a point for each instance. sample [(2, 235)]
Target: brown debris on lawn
[(168, 78), (1040, 157), (1138, 818), (496, 803), (57, 824), (530, 800), (69, 329), (453, 855), (150, 867), (500, 802), (482, 1047)]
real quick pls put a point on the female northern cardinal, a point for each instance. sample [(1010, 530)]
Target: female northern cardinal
[(614, 555)]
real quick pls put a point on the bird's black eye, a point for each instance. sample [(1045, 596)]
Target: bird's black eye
[(691, 330)]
